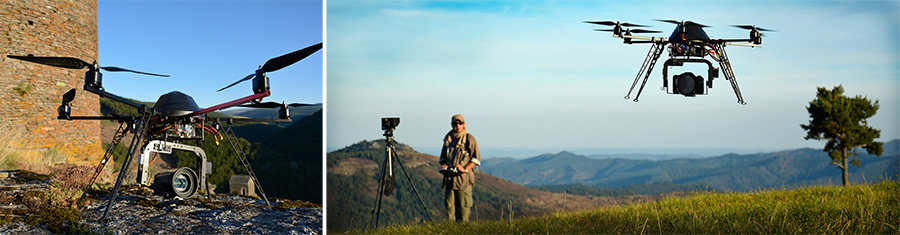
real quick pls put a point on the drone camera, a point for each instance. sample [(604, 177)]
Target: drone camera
[(182, 182), (688, 84), (389, 123)]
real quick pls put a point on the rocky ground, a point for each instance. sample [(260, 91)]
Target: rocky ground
[(138, 212)]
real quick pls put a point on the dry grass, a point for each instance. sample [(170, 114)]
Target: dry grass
[(859, 209), (14, 154)]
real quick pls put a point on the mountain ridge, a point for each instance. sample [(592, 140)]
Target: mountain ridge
[(736, 172)]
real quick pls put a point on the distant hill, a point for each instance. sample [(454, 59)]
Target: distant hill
[(353, 174), (732, 172), (272, 112), (260, 132), (290, 166), (655, 157)]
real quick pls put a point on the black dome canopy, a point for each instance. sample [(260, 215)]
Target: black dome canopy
[(175, 104)]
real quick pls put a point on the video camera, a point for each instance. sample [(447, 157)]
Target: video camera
[(389, 123)]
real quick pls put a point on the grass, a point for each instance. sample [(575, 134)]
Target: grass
[(868, 209), (287, 203)]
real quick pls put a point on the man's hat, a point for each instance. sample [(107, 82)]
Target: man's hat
[(458, 117)]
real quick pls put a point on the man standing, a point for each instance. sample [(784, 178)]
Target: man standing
[(460, 152)]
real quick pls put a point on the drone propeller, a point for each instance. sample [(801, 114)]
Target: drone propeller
[(753, 27), (631, 30), (688, 23), (610, 23), (69, 96), (275, 105), (280, 62), (73, 63), (643, 31)]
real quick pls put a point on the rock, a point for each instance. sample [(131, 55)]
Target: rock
[(144, 213)]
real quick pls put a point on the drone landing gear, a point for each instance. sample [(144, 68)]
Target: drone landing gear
[(123, 129), (229, 135), (139, 130), (725, 64), (652, 56)]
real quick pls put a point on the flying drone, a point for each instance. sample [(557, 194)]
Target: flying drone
[(174, 119), (688, 43)]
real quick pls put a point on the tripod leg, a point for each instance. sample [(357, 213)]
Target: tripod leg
[(376, 211), (413, 185)]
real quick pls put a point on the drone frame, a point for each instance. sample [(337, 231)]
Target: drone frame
[(684, 50), (158, 141)]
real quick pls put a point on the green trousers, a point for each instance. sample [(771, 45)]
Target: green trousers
[(458, 203)]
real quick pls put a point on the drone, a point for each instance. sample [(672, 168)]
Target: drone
[(688, 43), (172, 121)]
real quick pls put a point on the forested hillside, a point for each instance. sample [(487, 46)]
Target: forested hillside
[(732, 172)]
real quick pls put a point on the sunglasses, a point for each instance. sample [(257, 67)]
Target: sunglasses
[(458, 123)]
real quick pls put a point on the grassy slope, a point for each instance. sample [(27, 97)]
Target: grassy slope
[(868, 209), (354, 172)]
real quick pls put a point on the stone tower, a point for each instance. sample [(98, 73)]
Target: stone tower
[(30, 93)]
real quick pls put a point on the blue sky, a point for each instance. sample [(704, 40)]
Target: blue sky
[(206, 45), (530, 74)]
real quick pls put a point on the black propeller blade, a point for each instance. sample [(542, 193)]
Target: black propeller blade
[(69, 96), (275, 105), (73, 63), (688, 23), (62, 62), (289, 58), (610, 23), (248, 77), (670, 21), (631, 30), (752, 27), (117, 69), (280, 62), (643, 31)]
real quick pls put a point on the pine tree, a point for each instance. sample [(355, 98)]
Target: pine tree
[(841, 121)]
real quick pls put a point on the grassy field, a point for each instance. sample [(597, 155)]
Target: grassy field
[(861, 209)]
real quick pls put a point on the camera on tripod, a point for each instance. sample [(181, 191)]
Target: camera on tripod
[(386, 184), (389, 123)]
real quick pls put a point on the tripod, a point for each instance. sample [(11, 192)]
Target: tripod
[(386, 184)]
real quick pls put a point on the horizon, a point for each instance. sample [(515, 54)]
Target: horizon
[(647, 153)]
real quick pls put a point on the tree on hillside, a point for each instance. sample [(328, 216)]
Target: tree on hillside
[(841, 121)]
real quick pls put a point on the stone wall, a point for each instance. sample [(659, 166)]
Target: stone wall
[(30, 93)]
